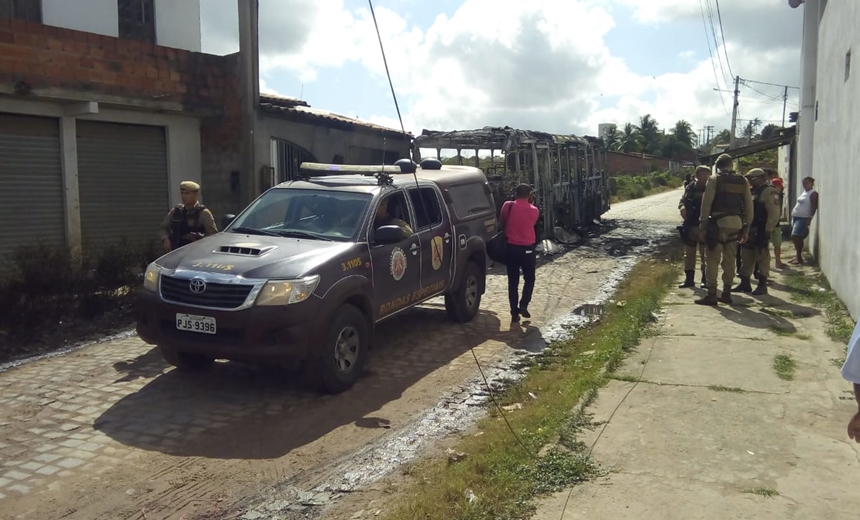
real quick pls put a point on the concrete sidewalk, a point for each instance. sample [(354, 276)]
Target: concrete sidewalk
[(711, 431)]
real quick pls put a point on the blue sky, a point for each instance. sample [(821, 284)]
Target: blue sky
[(467, 63)]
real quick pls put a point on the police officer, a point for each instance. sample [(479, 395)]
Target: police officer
[(756, 250), (724, 223), (691, 208), (187, 222)]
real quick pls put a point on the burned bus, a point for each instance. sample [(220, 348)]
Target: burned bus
[(569, 173)]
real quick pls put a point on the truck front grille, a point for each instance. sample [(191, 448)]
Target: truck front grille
[(216, 295)]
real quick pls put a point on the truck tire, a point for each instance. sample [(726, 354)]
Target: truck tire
[(184, 360), (464, 301), (342, 353)]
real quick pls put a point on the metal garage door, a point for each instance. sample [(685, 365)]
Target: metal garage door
[(122, 174), (31, 182)]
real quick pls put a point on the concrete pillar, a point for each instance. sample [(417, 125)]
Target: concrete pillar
[(69, 160), (808, 79), (249, 59)]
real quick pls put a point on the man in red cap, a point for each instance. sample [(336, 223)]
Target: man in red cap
[(776, 237)]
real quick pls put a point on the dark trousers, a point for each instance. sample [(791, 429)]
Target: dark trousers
[(520, 258)]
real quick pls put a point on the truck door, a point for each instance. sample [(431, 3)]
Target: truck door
[(436, 236), (396, 267)]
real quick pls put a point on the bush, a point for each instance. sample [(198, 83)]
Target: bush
[(43, 284)]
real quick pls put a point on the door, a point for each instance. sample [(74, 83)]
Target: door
[(32, 207), (122, 174), (434, 232), (396, 267)]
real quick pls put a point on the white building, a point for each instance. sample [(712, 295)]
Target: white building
[(828, 137), (604, 128)]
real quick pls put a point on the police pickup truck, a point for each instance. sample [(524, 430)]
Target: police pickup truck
[(306, 271)]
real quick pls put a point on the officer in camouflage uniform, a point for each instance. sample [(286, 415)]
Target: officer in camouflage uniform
[(187, 222), (691, 207), (726, 214), (757, 247)]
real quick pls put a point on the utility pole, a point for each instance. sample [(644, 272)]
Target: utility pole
[(709, 129), (784, 101), (734, 114)]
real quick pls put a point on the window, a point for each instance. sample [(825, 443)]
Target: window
[(393, 211), (286, 159), (332, 215), (137, 20), (426, 199), (470, 199), (28, 10)]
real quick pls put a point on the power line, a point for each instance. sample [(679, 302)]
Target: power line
[(716, 42), (771, 84), (723, 35), (711, 54)]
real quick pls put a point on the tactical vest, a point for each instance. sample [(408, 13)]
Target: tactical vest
[(729, 196), (759, 208), (180, 227), (693, 195)]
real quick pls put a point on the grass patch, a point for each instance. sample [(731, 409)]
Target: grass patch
[(784, 366), (805, 288), (766, 492), (781, 331), (498, 478), (720, 388), (628, 187)]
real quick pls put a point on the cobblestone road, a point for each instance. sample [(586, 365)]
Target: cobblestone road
[(110, 431)]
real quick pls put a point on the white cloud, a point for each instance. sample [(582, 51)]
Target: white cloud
[(541, 64)]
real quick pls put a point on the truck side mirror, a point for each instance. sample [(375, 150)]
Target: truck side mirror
[(390, 235), (226, 220)]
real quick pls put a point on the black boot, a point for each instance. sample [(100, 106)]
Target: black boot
[(709, 299), (761, 288), (689, 281), (744, 286), (726, 296)]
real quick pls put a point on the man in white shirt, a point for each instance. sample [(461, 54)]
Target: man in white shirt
[(851, 372)]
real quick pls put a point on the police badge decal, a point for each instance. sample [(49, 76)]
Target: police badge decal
[(397, 264)]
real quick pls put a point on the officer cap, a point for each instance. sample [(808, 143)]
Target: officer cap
[(189, 186), (703, 169), (755, 172), (724, 162)]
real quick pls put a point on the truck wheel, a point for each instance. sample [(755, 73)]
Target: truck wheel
[(341, 356), (185, 360), (463, 302)]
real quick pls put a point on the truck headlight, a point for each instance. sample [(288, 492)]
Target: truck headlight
[(285, 292), (150, 277)]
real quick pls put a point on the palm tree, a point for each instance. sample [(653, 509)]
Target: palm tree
[(629, 140), (650, 133), (683, 132), (612, 139)]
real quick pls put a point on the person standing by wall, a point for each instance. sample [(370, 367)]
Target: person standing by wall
[(776, 237), (691, 209), (518, 219), (801, 218), (187, 222)]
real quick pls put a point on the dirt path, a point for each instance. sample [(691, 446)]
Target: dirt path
[(110, 432)]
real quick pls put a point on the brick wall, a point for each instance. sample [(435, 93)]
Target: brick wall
[(47, 57), (631, 164)]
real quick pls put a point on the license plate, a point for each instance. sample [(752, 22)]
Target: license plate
[(192, 323)]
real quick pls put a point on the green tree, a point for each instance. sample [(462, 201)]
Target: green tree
[(612, 139), (629, 140), (768, 131), (683, 133), (650, 134)]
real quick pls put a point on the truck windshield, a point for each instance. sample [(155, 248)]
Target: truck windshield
[(324, 215)]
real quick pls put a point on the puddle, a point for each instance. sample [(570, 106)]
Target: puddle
[(590, 309)]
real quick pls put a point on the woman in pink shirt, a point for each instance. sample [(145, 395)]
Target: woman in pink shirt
[(518, 219)]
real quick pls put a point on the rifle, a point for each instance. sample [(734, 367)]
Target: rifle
[(712, 234)]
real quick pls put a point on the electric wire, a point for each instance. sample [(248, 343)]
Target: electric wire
[(726, 79), (711, 54), (723, 35), (465, 330)]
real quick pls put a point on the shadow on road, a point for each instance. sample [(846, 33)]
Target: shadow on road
[(242, 411)]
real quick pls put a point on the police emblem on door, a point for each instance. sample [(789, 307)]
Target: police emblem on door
[(436, 252), (397, 264)]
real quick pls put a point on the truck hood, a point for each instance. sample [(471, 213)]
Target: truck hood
[(254, 256)]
